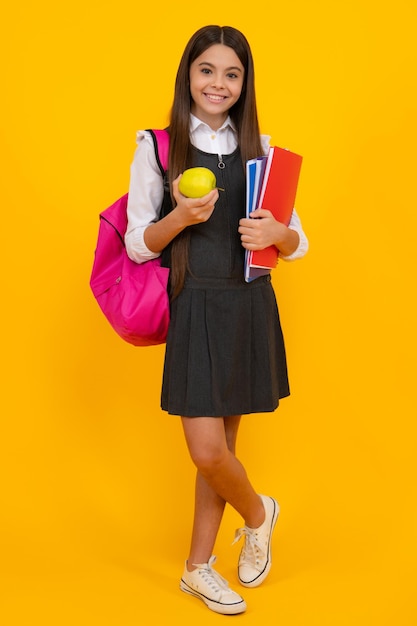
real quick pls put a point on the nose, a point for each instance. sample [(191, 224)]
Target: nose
[(217, 82)]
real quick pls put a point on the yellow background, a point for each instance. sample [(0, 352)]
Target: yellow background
[(97, 486)]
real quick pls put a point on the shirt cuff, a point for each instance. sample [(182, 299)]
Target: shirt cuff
[(136, 248)]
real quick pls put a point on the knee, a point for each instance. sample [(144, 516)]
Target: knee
[(208, 459)]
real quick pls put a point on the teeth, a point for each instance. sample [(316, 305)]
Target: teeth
[(216, 98)]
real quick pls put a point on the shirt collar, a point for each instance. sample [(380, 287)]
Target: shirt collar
[(196, 123)]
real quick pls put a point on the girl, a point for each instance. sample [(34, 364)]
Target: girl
[(225, 353)]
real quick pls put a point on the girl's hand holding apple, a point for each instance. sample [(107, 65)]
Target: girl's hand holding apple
[(193, 210)]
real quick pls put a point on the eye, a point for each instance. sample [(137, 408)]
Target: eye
[(206, 70), (231, 75)]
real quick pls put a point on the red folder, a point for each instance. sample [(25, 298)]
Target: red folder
[(278, 191)]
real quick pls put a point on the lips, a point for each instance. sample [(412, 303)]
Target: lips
[(214, 98)]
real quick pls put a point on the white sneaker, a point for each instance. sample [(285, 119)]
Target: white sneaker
[(205, 583), (255, 557)]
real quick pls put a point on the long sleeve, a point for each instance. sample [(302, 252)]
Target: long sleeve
[(145, 198)]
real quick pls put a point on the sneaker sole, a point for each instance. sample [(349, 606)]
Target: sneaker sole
[(259, 579), (217, 607)]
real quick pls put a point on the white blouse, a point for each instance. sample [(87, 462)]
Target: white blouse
[(146, 189)]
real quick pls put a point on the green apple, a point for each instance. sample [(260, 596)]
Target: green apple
[(197, 182)]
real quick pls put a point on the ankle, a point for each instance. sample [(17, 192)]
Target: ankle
[(192, 564), (190, 567), (257, 518)]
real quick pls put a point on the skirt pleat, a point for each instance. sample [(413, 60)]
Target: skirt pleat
[(225, 351)]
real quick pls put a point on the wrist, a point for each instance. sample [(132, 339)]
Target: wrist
[(288, 242), (177, 219)]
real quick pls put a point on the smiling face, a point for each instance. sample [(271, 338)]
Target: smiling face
[(216, 81)]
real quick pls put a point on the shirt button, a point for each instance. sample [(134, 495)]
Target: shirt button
[(213, 136)]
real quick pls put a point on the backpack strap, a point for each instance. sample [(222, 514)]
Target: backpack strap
[(161, 144)]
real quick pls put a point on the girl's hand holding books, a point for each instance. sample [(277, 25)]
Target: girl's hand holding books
[(262, 230)]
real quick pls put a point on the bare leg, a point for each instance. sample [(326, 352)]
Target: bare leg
[(221, 478), (209, 506)]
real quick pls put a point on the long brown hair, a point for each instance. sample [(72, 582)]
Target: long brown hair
[(243, 114)]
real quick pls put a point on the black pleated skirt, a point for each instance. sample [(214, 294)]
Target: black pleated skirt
[(225, 351)]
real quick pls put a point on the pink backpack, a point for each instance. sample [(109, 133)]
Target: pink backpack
[(132, 296)]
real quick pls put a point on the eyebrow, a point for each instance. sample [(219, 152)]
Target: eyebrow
[(233, 67)]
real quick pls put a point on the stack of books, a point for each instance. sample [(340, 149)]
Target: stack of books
[(271, 183)]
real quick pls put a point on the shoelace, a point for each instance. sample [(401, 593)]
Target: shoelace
[(251, 549), (212, 577)]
